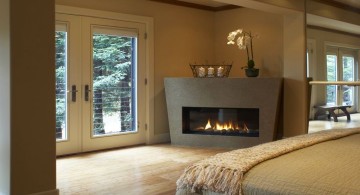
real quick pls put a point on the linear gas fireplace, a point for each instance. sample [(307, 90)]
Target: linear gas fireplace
[(222, 112), (221, 121)]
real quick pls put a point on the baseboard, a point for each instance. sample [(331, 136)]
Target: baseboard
[(51, 192), (160, 138)]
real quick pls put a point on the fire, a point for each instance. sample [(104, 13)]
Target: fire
[(208, 125), (229, 125), (226, 126)]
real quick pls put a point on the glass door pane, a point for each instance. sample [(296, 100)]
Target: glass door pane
[(114, 87), (348, 75), (331, 73), (68, 92), (61, 82), (97, 84)]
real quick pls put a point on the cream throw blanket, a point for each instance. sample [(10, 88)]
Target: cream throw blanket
[(224, 172)]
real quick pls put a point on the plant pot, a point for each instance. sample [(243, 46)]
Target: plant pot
[(252, 72)]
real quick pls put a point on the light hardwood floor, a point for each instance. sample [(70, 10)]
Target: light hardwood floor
[(142, 170), (318, 125)]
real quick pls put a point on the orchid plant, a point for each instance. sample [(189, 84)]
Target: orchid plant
[(244, 41)]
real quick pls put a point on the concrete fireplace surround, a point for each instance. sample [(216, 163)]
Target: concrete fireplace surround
[(261, 93)]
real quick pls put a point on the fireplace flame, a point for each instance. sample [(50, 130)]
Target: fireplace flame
[(229, 125), (226, 126), (208, 125)]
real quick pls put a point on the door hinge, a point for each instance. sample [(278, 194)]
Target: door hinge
[(146, 81), (146, 126), (145, 35)]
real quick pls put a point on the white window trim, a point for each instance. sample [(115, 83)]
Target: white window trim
[(357, 64), (149, 23), (312, 70)]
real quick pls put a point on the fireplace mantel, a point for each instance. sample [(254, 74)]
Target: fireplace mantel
[(261, 93)]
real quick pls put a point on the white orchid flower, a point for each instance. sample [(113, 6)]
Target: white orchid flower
[(230, 42), (244, 41), (231, 36), (240, 42)]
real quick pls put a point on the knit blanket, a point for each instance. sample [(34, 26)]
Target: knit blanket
[(224, 172)]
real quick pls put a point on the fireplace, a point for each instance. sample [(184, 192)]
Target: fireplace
[(220, 121), (246, 110)]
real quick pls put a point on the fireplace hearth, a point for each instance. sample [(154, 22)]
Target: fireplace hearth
[(221, 121)]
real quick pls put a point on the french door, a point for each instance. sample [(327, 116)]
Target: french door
[(341, 66), (100, 88)]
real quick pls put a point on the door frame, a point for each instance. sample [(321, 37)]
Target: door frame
[(89, 26), (149, 61), (72, 143), (312, 72)]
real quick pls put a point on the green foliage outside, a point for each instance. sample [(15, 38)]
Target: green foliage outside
[(112, 78), (331, 76), (60, 71), (112, 74), (348, 75)]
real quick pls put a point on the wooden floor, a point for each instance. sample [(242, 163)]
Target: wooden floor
[(142, 170), (319, 125)]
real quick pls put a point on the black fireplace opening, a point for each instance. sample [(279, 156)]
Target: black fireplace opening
[(220, 121)]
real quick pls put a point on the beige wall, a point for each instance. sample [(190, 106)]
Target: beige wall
[(291, 4), (295, 93), (182, 36), (268, 47), (186, 35), (322, 38), (28, 119), (294, 121), (294, 56), (32, 97)]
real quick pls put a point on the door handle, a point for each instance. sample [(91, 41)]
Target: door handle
[(87, 91), (73, 93)]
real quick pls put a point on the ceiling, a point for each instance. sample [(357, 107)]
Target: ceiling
[(318, 21), (211, 3), (353, 5), (206, 3)]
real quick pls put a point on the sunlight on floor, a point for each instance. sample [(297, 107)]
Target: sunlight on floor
[(318, 125)]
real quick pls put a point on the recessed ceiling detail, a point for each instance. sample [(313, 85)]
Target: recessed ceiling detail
[(353, 3), (206, 2), (200, 4)]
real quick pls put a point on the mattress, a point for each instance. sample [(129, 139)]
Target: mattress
[(330, 167)]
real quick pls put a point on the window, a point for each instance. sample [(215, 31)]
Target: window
[(340, 66)]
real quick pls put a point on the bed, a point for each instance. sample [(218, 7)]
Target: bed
[(326, 162)]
